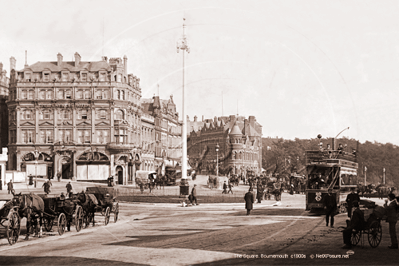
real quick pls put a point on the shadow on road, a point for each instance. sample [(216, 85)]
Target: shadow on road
[(59, 260)]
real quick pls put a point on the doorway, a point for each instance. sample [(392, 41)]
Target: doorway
[(65, 170), (119, 171)]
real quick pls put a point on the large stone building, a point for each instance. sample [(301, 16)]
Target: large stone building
[(167, 142), (239, 141), (4, 83), (76, 118)]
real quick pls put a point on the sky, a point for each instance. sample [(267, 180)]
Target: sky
[(302, 68)]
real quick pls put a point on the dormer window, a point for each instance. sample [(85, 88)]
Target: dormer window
[(102, 76), (46, 76), (65, 75), (83, 76), (28, 76)]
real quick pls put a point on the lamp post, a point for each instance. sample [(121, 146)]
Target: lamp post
[(35, 173), (183, 45), (217, 159)]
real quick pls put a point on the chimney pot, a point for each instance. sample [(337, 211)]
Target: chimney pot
[(59, 59), (77, 59)]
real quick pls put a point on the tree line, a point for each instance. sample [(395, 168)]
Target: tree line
[(284, 157)]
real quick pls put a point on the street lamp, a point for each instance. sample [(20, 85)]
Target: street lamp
[(183, 45), (217, 159), (35, 173)]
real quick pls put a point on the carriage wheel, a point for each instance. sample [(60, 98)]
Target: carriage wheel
[(61, 224), (116, 212), (375, 234), (78, 218), (107, 215), (48, 223), (13, 228), (356, 237)]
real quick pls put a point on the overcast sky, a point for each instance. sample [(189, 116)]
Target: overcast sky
[(302, 68)]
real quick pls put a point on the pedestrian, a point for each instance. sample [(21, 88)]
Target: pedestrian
[(10, 187), (224, 188), (259, 193), (194, 195), (330, 207), (356, 223), (215, 182), (69, 189), (390, 207), (249, 201), (352, 197), (230, 188), (46, 187), (141, 187)]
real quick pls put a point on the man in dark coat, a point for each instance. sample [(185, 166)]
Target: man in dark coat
[(390, 207), (249, 201), (10, 187), (356, 223), (352, 197), (330, 206), (224, 188), (194, 195), (69, 189)]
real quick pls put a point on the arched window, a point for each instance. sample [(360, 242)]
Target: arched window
[(118, 115), (122, 95), (119, 95)]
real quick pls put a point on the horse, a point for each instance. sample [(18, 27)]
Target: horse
[(89, 203), (30, 206)]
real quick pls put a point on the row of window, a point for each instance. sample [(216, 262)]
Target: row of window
[(244, 156), (99, 94), (83, 136), (83, 114)]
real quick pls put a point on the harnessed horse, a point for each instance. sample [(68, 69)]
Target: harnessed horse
[(31, 206), (89, 204)]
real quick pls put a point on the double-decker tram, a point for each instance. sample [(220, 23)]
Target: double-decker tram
[(327, 169)]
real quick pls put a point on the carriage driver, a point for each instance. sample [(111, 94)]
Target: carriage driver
[(356, 223)]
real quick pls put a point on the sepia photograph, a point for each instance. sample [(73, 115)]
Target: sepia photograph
[(199, 132)]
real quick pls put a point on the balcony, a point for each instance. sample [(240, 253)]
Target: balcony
[(119, 148)]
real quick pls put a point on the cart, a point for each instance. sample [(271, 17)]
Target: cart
[(62, 211), (107, 203), (372, 227), (10, 220)]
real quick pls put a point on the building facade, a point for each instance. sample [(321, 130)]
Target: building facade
[(239, 143), (4, 83), (75, 119), (167, 131)]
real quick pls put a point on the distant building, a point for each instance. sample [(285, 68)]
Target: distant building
[(76, 119), (239, 141), (167, 134)]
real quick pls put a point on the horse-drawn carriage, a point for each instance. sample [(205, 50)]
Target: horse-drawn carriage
[(103, 200), (10, 220), (61, 211), (371, 226)]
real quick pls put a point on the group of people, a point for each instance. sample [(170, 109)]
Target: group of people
[(356, 216)]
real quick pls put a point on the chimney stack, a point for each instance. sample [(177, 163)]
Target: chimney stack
[(195, 118), (77, 59), (26, 59), (13, 63), (1, 68), (59, 59), (125, 64)]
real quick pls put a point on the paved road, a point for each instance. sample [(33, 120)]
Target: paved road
[(167, 234)]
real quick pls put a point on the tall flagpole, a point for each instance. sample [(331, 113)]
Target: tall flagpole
[(182, 45)]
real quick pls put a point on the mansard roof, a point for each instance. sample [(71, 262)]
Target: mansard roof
[(69, 66)]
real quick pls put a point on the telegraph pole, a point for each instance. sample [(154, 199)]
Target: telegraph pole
[(183, 45)]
